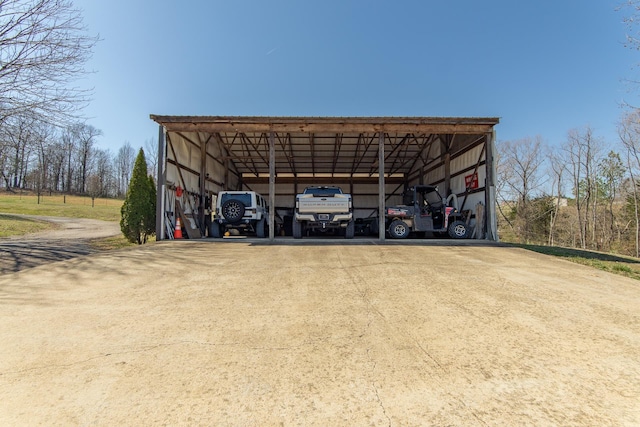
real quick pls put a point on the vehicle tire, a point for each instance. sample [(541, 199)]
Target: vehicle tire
[(399, 229), (260, 228), (297, 229), (233, 210), (350, 230), (214, 230), (458, 230)]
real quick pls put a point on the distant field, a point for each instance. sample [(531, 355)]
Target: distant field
[(60, 205)]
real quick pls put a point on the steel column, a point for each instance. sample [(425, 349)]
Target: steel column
[(272, 185), (161, 185), (203, 178), (491, 220), (381, 188)]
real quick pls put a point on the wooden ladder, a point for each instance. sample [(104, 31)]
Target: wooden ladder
[(188, 222)]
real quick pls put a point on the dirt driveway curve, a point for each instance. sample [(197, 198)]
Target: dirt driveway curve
[(246, 334), (70, 239)]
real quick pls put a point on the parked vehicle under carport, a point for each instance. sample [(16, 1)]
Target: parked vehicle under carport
[(425, 210)]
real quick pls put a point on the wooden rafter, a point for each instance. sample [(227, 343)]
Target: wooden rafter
[(245, 142), (287, 150), (336, 151), (426, 144), (227, 146), (367, 145)]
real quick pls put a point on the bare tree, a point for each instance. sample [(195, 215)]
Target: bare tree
[(85, 136), (125, 159), (43, 50), (104, 171), (520, 171), (43, 139), (57, 158), (583, 152), (629, 133), (557, 166), (611, 176), (151, 148), (69, 148), (18, 135)]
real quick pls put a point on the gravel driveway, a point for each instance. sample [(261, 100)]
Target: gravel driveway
[(237, 333), (69, 240)]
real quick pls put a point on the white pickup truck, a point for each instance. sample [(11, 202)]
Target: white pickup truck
[(323, 209)]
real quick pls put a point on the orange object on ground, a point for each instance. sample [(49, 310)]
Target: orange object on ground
[(177, 234)]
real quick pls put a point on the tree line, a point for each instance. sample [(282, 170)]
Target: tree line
[(584, 193), (44, 158), (45, 144)]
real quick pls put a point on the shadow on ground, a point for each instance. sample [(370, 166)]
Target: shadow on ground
[(577, 253)]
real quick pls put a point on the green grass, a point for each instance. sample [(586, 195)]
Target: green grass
[(618, 264), (57, 205), (60, 205), (11, 225)]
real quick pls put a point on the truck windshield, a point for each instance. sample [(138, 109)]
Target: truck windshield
[(330, 191)]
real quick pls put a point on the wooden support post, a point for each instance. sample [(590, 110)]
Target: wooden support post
[(272, 186), (381, 188), (203, 179), (161, 185), (490, 218), (447, 174)]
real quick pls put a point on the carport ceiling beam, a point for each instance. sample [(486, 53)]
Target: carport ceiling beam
[(352, 125)]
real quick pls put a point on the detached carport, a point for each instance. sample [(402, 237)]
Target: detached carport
[(373, 158)]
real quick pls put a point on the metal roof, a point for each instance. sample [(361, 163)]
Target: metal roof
[(332, 146)]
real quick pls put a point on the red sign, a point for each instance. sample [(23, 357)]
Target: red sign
[(471, 181)]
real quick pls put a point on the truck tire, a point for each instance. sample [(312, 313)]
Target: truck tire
[(350, 230), (233, 210), (458, 230), (399, 229), (297, 229), (214, 230), (261, 227)]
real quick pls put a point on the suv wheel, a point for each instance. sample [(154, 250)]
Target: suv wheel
[(233, 210), (458, 230), (399, 229)]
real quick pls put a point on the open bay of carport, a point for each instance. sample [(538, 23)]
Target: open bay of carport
[(319, 333)]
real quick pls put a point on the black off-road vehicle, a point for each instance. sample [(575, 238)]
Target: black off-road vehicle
[(425, 210)]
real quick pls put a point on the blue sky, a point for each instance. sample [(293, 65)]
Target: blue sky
[(543, 67)]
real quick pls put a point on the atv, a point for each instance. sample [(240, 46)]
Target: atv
[(423, 209)]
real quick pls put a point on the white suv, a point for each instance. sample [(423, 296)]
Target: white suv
[(244, 211)]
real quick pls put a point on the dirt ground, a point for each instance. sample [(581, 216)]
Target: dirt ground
[(70, 239), (241, 333)]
